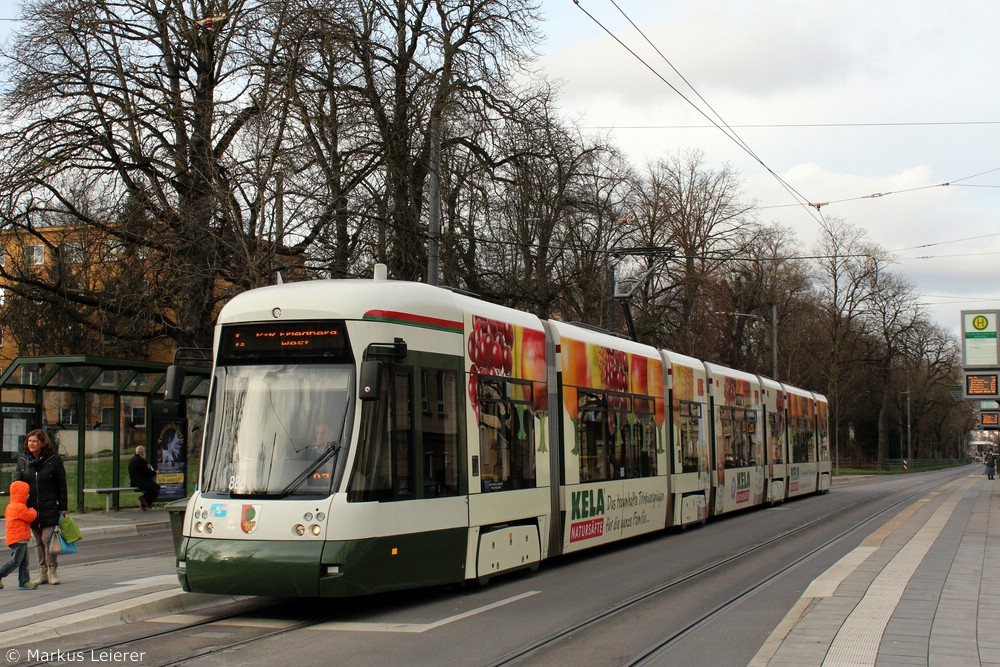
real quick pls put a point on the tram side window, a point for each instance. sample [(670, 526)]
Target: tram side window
[(592, 436), (774, 438), (640, 427), (384, 462), (754, 446), (439, 427), (802, 441), (729, 431), (624, 460), (615, 436), (687, 418), (824, 442), (506, 434)]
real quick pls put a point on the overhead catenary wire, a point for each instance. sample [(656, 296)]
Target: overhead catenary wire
[(729, 130), (876, 195), (804, 201)]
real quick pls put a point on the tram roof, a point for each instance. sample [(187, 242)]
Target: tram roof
[(353, 298)]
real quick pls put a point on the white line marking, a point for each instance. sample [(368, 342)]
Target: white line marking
[(418, 627)]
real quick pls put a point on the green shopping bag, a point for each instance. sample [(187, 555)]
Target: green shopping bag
[(69, 530)]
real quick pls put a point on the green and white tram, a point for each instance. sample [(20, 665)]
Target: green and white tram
[(364, 436)]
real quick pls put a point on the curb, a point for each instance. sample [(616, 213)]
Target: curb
[(139, 608), (130, 530), (122, 529)]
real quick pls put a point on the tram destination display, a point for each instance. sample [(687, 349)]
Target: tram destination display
[(284, 340)]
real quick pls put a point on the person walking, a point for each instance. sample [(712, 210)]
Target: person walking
[(18, 517), (990, 459), (41, 467), (142, 476)]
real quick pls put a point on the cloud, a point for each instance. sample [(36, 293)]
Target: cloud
[(868, 106)]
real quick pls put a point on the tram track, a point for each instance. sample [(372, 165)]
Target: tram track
[(651, 653), (265, 610)]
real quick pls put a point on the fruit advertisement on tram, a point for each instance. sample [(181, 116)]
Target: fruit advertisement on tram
[(613, 443), (739, 455), (803, 468)]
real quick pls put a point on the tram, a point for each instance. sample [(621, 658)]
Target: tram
[(364, 436)]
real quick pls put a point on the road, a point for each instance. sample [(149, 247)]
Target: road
[(708, 595)]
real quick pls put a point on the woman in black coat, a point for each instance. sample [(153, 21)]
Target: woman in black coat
[(42, 468)]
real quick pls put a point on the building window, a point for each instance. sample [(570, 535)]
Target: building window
[(72, 252), (108, 417), (67, 416), (36, 254), (29, 374)]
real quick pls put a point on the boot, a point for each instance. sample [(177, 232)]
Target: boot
[(53, 579), (42, 577)]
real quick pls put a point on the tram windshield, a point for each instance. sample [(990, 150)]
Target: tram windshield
[(277, 430)]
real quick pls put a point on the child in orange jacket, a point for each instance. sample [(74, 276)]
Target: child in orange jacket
[(19, 517)]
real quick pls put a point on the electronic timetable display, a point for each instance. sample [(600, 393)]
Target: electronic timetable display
[(981, 384), (276, 341)]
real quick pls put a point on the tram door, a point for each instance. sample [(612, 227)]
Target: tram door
[(420, 450)]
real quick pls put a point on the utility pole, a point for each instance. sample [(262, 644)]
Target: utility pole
[(434, 214), (774, 340), (909, 450)]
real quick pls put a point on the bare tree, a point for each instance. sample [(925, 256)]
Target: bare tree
[(140, 106), (216, 146), (420, 63), (704, 210)]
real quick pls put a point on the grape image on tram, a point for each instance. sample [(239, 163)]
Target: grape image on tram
[(365, 436)]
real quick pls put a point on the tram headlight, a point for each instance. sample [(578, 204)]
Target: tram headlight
[(209, 527), (320, 516), (299, 529), (315, 529), (199, 526), (308, 516)]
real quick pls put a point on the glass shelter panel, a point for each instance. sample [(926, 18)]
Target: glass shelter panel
[(72, 377)]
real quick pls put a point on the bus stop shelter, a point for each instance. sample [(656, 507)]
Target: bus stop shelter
[(96, 410)]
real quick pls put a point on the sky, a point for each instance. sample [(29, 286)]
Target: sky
[(887, 113)]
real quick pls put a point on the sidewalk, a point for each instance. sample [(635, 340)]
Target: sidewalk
[(99, 595), (921, 590)]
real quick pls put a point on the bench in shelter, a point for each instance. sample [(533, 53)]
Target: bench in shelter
[(108, 490)]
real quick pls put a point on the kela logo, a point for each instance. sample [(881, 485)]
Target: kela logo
[(742, 487), (588, 513), (586, 504)]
